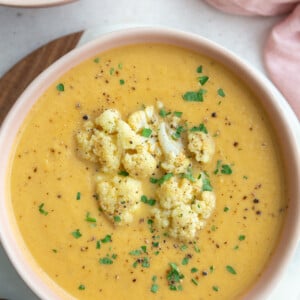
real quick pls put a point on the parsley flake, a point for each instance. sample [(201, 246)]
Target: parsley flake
[(203, 79), (231, 270), (117, 219), (41, 209), (76, 234), (146, 132), (60, 87), (88, 218), (163, 113), (161, 180), (221, 93), (201, 128), (123, 173), (149, 201), (122, 81), (192, 96), (81, 287)]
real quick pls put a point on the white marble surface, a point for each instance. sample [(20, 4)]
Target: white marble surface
[(23, 30)]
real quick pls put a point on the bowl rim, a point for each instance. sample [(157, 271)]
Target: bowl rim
[(34, 3), (279, 107)]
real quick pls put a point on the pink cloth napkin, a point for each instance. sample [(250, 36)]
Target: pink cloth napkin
[(282, 49)]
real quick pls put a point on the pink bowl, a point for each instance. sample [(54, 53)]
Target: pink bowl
[(283, 120), (34, 3)]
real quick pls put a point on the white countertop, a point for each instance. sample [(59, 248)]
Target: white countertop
[(24, 30)]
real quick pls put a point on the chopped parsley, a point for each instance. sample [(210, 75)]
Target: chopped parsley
[(197, 249), (76, 234), (231, 270), (221, 93), (199, 69), (163, 113), (201, 128), (194, 281), (78, 196), (194, 270), (154, 288), (226, 209), (215, 288), (155, 244), (60, 87), (176, 135), (146, 132), (96, 60), (105, 261), (177, 114), (111, 71), (192, 96), (81, 287), (117, 219), (226, 169), (41, 209), (88, 218), (183, 247), (106, 239), (123, 173), (149, 201), (174, 277), (98, 245), (161, 180), (242, 237), (145, 262), (203, 79), (122, 81), (185, 260), (211, 269), (135, 252), (206, 186), (120, 66), (223, 168)]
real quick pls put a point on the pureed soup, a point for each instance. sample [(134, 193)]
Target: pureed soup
[(104, 228)]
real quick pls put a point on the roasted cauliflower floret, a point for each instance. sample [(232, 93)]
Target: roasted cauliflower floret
[(108, 120), (183, 207), (185, 222), (175, 159), (174, 191), (119, 198), (127, 138), (202, 145), (140, 164), (106, 150)]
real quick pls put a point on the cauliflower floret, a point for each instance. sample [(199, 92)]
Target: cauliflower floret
[(119, 198), (202, 145), (140, 164), (174, 191), (205, 206), (127, 138), (106, 150), (183, 207), (146, 118), (175, 159), (108, 120), (185, 222)]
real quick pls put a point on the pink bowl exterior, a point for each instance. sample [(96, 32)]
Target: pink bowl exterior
[(283, 120)]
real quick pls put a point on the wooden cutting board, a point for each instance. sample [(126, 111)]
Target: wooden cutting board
[(14, 82)]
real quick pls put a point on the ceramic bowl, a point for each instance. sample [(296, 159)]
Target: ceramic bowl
[(282, 118)]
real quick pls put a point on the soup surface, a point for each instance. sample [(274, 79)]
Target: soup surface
[(57, 209)]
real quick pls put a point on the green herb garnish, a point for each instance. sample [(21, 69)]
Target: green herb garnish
[(199, 69), (98, 245), (177, 114), (194, 281), (117, 219), (76, 234), (122, 81), (231, 270), (105, 261), (88, 218), (60, 87), (221, 92), (185, 260), (106, 239), (163, 113), (78, 196), (226, 169), (201, 128), (215, 288), (194, 270), (161, 180), (96, 60), (174, 277), (226, 209), (242, 237), (194, 96), (176, 135), (41, 209), (146, 132), (123, 173), (149, 201), (111, 71), (203, 79), (135, 252), (81, 287), (154, 288), (206, 186)]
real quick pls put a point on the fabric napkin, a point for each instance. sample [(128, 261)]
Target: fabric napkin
[(282, 49)]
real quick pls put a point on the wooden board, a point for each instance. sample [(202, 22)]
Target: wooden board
[(14, 82)]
